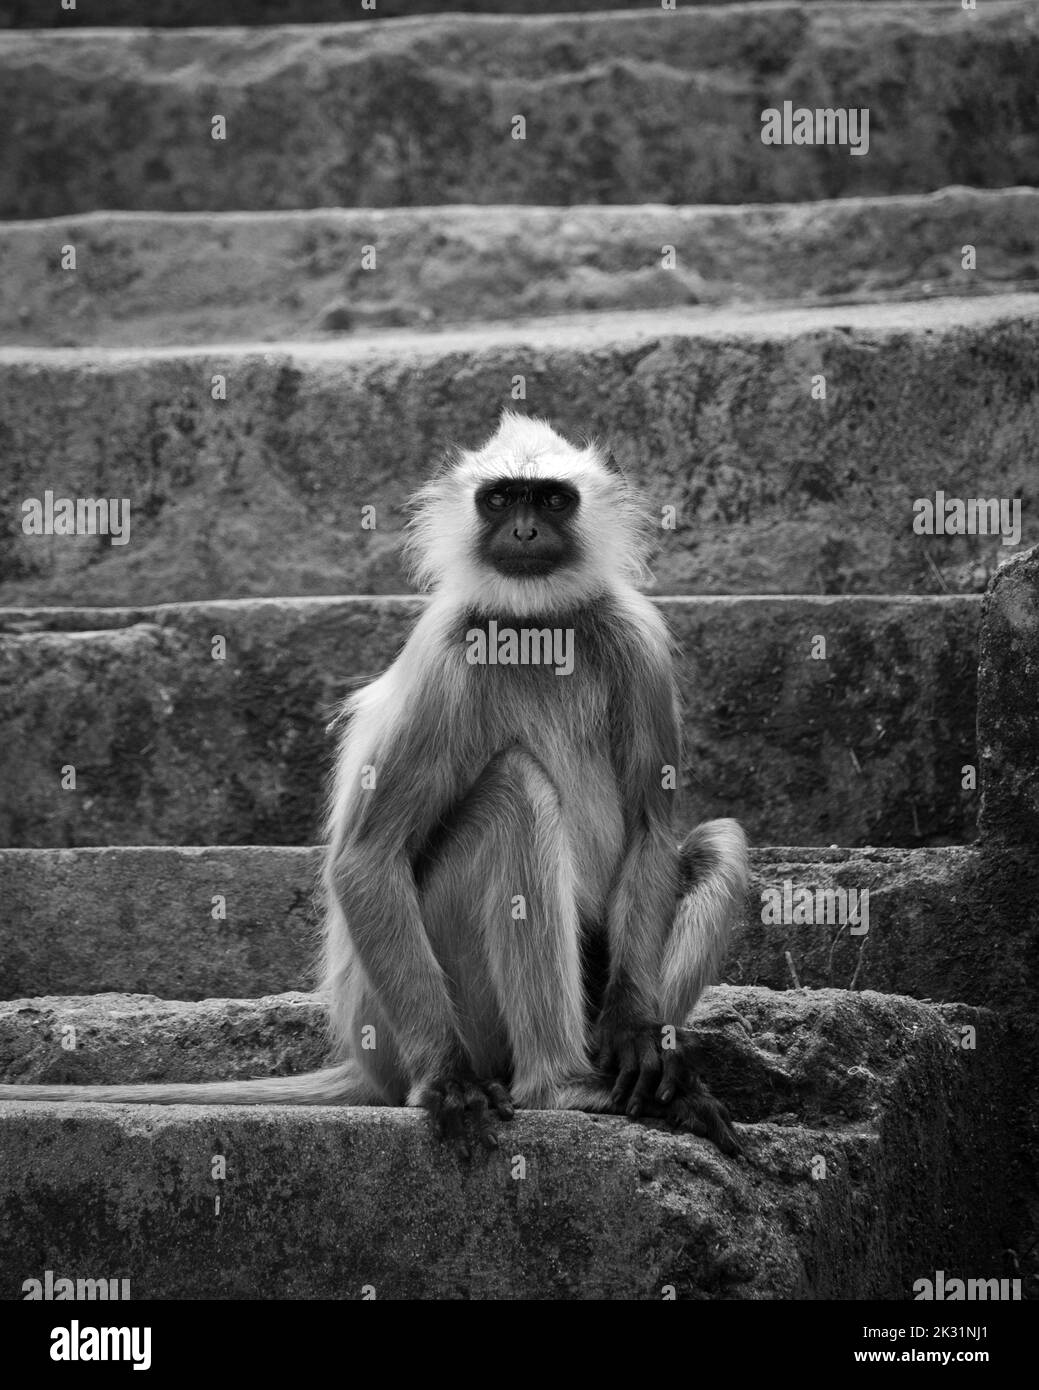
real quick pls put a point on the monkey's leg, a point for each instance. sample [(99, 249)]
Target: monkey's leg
[(499, 903), (670, 919), (361, 1030), (465, 1084), (713, 882)]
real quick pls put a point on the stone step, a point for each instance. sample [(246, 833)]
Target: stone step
[(154, 279), (170, 746), (31, 14), (878, 1089), (904, 1107), (620, 107), (712, 410), (113, 1037), (140, 920)]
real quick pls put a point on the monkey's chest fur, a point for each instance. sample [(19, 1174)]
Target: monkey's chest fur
[(561, 712)]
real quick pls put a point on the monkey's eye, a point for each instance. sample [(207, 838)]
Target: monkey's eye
[(556, 501), (497, 501)]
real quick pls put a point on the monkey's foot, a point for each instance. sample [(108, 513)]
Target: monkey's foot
[(460, 1106), (695, 1109), (686, 1101)]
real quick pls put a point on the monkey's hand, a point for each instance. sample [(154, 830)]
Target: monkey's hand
[(459, 1105), (633, 1054), (661, 1082)]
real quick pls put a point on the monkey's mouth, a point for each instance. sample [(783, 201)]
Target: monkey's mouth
[(525, 566)]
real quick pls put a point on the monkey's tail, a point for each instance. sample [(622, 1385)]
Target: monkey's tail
[(716, 874), (343, 1084)]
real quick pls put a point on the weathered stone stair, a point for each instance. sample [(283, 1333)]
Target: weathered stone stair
[(170, 746), (623, 107), (712, 410), (882, 1079)]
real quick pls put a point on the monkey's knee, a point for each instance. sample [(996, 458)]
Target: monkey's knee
[(518, 775), (490, 838), (495, 821), (512, 805)]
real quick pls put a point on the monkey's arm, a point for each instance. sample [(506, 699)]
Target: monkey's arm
[(376, 889), (373, 883), (375, 831), (630, 1027)]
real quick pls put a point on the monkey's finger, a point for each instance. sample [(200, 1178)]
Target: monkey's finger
[(432, 1100), (622, 1087), (501, 1100), (644, 1088), (452, 1105), (452, 1118), (649, 1067), (443, 1124), (729, 1143), (475, 1100), (476, 1107), (721, 1133), (724, 1134), (671, 1081)]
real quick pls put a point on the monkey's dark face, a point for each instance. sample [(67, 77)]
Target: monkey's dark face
[(527, 526)]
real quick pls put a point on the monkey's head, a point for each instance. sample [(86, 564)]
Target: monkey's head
[(527, 524)]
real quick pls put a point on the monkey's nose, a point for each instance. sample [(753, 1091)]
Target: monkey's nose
[(525, 533)]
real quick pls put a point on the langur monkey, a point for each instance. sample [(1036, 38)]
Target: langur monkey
[(509, 920)]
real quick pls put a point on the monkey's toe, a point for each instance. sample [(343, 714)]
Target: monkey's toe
[(708, 1118), (674, 1077)]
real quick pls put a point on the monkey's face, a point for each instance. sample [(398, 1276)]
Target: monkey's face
[(527, 526)]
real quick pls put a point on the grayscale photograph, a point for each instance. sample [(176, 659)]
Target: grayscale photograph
[(519, 669)]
